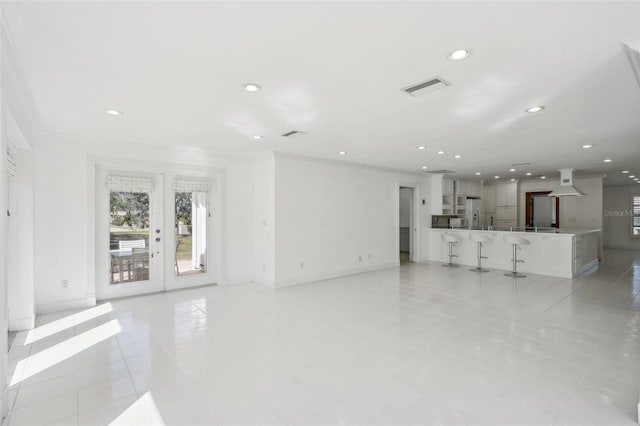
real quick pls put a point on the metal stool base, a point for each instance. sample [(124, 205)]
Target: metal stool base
[(451, 265), (478, 270), (514, 275)]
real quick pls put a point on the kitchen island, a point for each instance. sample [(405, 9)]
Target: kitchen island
[(566, 253)]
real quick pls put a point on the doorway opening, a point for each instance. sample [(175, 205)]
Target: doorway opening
[(406, 224), (542, 211)]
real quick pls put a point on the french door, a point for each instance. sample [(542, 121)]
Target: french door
[(153, 232)]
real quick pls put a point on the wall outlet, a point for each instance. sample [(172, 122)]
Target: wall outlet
[(359, 258), (301, 265), (369, 256), (65, 283)]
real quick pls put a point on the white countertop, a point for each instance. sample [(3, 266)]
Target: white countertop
[(561, 231)]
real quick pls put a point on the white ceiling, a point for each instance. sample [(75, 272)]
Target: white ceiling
[(335, 70)]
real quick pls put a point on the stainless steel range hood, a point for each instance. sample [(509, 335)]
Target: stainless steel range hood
[(566, 188)]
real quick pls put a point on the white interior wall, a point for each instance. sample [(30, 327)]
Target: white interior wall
[(334, 219), (60, 230), (575, 212), (617, 219), (16, 122), (264, 219), (4, 206), (21, 287)]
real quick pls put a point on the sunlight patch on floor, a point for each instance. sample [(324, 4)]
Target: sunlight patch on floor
[(142, 412), (66, 322), (49, 357)]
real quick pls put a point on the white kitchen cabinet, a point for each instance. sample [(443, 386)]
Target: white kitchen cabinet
[(489, 198), (507, 194), (447, 186), (512, 194), (501, 213), (471, 189), (506, 205), (468, 188)]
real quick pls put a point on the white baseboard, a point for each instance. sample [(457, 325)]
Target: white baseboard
[(266, 283), (65, 305), (627, 247), (331, 275), (23, 323)]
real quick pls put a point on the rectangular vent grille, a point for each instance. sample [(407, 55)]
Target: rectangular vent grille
[(521, 164), (440, 172), (426, 86), (292, 133)]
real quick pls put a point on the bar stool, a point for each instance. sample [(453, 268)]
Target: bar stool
[(516, 242), (480, 239), (452, 240)]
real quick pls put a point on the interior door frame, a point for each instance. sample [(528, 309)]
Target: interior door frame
[(527, 202), (414, 231)]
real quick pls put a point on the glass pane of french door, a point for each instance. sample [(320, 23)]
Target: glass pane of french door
[(129, 214), (190, 230)]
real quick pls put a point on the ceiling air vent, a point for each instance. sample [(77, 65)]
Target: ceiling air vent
[(439, 172), (292, 133), (425, 87)]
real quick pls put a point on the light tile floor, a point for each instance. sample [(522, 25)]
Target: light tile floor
[(418, 344)]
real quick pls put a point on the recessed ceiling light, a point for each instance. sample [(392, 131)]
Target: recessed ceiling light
[(421, 147), (637, 179), (496, 177), (342, 152), (424, 167), (440, 152), (512, 180), (113, 112), (457, 156), (512, 170), (256, 137), (458, 55), (251, 87), (477, 173), (543, 177), (625, 171), (631, 176), (535, 109), (528, 173), (607, 160), (587, 146)]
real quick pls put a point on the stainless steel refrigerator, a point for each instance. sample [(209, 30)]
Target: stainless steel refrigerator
[(474, 212)]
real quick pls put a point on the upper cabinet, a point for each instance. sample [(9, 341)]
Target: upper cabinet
[(468, 188), (447, 186), (448, 201), (489, 198), (507, 194)]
